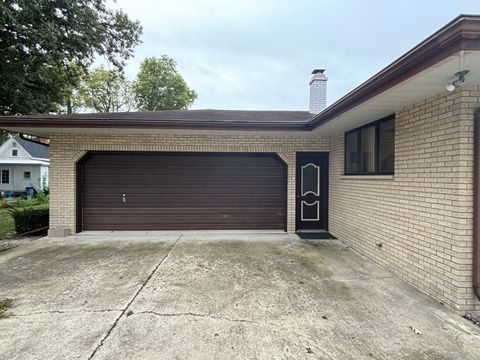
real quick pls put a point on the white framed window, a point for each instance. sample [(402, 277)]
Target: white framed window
[(5, 176), (27, 175), (15, 152)]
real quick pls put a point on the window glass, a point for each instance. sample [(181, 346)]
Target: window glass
[(310, 179), (26, 174), (5, 176), (351, 153), (14, 152), (386, 154), (368, 150)]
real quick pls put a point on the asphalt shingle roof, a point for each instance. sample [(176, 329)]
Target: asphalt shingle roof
[(35, 149)]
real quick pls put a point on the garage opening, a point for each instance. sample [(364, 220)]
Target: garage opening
[(181, 191)]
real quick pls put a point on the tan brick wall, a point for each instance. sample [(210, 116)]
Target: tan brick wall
[(66, 149), (423, 216)]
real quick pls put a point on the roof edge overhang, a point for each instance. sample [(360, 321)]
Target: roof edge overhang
[(41, 159), (92, 123), (462, 33), (24, 162)]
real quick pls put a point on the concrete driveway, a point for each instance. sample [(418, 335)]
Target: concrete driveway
[(216, 296)]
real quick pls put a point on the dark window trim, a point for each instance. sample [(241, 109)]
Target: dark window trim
[(358, 131), (7, 171)]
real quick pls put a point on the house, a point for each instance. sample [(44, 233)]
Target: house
[(23, 163), (392, 168)]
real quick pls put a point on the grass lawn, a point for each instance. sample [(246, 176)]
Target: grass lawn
[(7, 226), (5, 304)]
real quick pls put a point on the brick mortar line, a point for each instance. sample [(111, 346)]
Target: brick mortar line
[(115, 323)]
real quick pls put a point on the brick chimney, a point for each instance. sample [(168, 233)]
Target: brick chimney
[(318, 91)]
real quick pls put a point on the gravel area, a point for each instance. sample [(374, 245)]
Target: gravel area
[(7, 244)]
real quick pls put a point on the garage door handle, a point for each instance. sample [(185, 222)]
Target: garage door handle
[(124, 198)]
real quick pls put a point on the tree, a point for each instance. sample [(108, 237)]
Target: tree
[(39, 40), (159, 86), (105, 91), (72, 101)]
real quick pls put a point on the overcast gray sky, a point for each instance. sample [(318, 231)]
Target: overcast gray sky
[(258, 54)]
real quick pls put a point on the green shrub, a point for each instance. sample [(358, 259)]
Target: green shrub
[(5, 304), (39, 199), (28, 219), (45, 187)]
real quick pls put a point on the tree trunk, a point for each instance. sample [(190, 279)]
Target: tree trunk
[(69, 105)]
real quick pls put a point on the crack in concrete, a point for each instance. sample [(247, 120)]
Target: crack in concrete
[(202, 316), (63, 312), (115, 323)]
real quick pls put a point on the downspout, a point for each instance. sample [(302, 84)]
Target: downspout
[(476, 204)]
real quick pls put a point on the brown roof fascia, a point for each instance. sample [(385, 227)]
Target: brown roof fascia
[(462, 33), (49, 122)]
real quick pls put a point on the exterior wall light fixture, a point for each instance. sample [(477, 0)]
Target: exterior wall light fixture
[(458, 81)]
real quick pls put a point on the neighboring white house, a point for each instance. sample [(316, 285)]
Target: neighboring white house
[(23, 163)]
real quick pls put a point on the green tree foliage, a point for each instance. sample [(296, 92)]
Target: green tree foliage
[(39, 40), (71, 102), (159, 86), (105, 90)]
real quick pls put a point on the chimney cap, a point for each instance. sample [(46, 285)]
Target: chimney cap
[(316, 71)]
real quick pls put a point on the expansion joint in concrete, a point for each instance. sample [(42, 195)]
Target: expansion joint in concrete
[(144, 283)]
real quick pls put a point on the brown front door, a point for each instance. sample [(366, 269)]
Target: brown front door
[(312, 191), (179, 191)]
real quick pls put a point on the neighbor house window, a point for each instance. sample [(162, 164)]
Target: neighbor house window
[(5, 176), (26, 175), (370, 149), (14, 152)]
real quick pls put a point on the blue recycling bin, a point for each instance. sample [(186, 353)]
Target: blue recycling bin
[(30, 192)]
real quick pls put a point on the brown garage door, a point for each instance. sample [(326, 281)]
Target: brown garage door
[(180, 191)]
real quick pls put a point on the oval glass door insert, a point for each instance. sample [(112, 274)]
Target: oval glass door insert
[(310, 179)]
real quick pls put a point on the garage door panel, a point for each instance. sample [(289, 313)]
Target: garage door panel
[(194, 180), (163, 200), (186, 170), (198, 218), (170, 191), (214, 160), (98, 190)]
